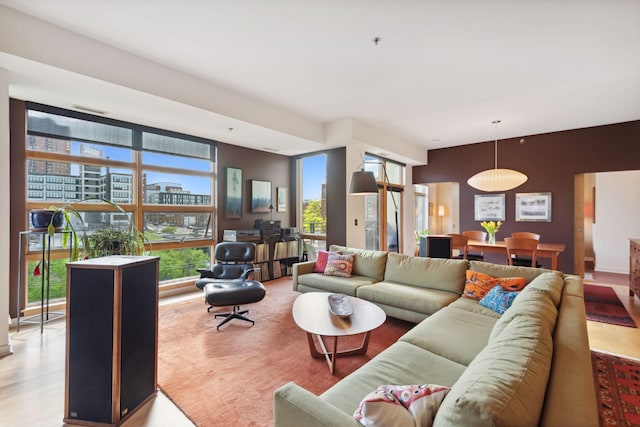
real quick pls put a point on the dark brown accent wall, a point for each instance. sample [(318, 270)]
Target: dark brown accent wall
[(255, 165), (551, 161), (17, 132)]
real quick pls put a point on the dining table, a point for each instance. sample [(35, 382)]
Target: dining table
[(545, 250)]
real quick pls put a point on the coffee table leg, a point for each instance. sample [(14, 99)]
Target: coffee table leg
[(330, 356)]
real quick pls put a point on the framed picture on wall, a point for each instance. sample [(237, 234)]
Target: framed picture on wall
[(281, 199), (233, 193), (533, 207), (260, 196), (489, 207)]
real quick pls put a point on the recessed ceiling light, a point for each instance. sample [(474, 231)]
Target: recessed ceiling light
[(89, 109)]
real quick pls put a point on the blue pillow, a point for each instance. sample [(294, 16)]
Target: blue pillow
[(498, 299)]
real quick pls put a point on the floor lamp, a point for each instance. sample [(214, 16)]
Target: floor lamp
[(364, 182), (440, 215)]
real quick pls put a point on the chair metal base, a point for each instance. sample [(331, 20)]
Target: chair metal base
[(235, 314)]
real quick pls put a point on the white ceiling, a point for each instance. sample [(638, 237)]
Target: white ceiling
[(442, 71)]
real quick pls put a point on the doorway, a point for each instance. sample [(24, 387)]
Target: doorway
[(605, 212)]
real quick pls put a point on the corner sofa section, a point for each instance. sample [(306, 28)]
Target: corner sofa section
[(529, 366)]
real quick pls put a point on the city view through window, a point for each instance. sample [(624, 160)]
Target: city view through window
[(165, 183)]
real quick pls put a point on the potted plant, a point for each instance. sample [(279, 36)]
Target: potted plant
[(56, 219), (115, 241)]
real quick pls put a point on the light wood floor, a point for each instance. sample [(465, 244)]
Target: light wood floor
[(32, 379)]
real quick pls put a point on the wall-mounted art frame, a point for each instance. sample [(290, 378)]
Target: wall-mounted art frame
[(534, 207), (260, 196), (233, 193), (489, 207), (281, 199)]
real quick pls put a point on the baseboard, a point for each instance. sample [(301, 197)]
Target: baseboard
[(6, 350)]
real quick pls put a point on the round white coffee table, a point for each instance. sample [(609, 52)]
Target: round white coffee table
[(311, 314)]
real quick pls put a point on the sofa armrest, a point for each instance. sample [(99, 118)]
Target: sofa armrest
[(300, 268), (295, 406)]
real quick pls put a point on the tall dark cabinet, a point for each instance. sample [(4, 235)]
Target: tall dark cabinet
[(112, 338)]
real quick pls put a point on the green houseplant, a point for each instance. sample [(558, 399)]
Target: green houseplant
[(103, 242)]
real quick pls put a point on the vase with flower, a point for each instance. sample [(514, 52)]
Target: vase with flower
[(492, 228)]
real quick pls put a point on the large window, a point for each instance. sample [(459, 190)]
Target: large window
[(383, 212), (312, 174), (164, 181)]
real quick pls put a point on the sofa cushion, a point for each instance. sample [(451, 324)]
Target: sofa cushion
[(498, 270), (402, 363), (368, 263), (420, 300), (339, 265), (342, 285), (321, 261), (472, 305), (478, 285), (434, 273), (457, 335), (506, 382), (401, 405), (533, 301)]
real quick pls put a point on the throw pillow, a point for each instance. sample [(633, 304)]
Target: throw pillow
[(478, 285), (339, 265), (321, 261), (498, 299), (401, 405)]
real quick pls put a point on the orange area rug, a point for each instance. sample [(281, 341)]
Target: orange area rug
[(227, 377)]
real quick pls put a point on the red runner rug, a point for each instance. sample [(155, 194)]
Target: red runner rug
[(603, 305), (617, 388), (227, 377)]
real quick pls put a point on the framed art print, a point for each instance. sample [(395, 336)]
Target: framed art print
[(489, 207), (533, 207), (260, 196), (233, 193)]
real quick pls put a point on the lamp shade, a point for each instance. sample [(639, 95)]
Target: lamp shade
[(497, 180), (440, 210), (363, 182)]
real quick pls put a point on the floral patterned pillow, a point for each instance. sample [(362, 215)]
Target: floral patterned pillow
[(339, 265), (498, 299), (478, 285), (401, 405), (321, 261)]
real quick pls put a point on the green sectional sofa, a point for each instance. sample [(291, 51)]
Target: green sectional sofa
[(529, 366)]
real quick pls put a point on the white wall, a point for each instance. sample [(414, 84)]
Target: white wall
[(5, 345), (617, 219)]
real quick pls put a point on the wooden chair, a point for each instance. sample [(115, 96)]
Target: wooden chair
[(525, 261), (459, 242), (526, 235), (475, 235), (521, 246)]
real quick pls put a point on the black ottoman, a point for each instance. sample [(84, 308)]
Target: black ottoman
[(233, 293)]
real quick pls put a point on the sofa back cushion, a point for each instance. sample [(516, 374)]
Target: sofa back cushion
[(498, 270), (366, 262), (506, 382), (538, 300), (435, 273)]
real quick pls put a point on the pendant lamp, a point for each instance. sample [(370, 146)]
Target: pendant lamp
[(497, 179)]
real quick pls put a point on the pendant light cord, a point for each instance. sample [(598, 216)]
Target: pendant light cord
[(496, 122)]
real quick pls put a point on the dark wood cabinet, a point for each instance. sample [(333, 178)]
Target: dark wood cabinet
[(634, 267), (112, 338)]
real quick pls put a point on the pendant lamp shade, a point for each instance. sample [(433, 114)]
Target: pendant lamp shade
[(497, 179), (363, 182)]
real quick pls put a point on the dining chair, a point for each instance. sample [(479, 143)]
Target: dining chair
[(521, 246), (475, 235), (525, 261), (526, 234), (459, 242)]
